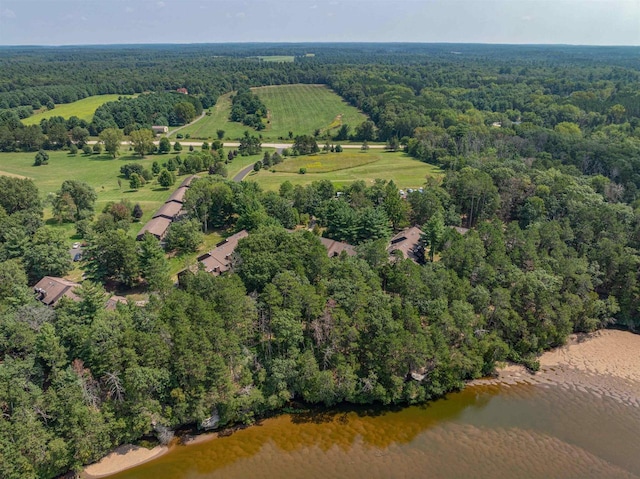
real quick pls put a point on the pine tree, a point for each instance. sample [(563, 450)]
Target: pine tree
[(154, 266)]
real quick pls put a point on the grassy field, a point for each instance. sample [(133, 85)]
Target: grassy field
[(344, 168), (102, 173), (277, 58), (83, 109), (298, 108), (218, 120)]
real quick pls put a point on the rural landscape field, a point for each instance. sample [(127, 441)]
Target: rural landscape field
[(83, 109), (318, 260), (347, 167), (300, 109)]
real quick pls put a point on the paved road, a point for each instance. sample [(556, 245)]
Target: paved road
[(235, 144), (204, 112), (244, 172)]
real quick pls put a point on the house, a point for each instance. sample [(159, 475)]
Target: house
[(334, 248), (183, 90), (157, 226), (178, 195), (218, 260), (408, 243), (50, 290), (170, 210), (159, 129)]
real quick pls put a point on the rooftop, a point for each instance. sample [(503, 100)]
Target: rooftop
[(178, 195), (50, 290), (334, 248), (169, 210), (218, 260), (157, 226), (407, 242)]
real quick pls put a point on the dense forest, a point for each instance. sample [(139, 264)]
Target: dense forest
[(539, 148)]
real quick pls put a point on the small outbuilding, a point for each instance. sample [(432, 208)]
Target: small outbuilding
[(159, 129)]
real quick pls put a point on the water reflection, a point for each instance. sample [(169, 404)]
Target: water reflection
[(496, 431)]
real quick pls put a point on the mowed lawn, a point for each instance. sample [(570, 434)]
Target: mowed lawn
[(301, 109), (344, 168), (276, 58), (207, 127), (102, 173), (99, 171), (83, 109)]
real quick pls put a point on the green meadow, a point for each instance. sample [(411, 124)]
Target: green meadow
[(347, 167), (277, 58), (83, 109), (102, 173), (301, 109)]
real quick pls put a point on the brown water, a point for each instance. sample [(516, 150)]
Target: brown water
[(494, 431)]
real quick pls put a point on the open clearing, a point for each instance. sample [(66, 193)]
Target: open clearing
[(101, 172), (301, 109), (344, 168), (276, 58), (83, 109)]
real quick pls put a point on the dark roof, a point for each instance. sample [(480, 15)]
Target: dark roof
[(178, 195), (406, 242), (187, 181), (50, 290), (334, 248), (169, 210), (157, 226), (218, 260)]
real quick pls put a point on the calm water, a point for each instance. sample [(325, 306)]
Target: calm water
[(526, 431)]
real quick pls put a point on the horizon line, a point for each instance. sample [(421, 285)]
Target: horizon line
[(66, 45)]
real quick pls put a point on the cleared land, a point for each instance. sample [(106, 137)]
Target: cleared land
[(83, 109), (347, 167), (277, 58), (101, 172), (301, 109)]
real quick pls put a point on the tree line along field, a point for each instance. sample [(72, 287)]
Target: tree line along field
[(301, 109), (83, 109), (102, 173), (347, 167)]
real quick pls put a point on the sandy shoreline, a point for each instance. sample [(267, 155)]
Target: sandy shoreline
[(122, 458), (606, 362)]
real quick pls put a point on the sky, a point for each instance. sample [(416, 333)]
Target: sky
[(74, 22)]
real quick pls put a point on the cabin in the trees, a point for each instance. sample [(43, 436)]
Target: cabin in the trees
[(183, 90), (178, 195), (50, 290), (408, 243), (219, 259), (158, 227), (334, 248), (170, 210), (159, 224)]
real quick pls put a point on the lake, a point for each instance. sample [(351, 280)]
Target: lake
[(538, 429)]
